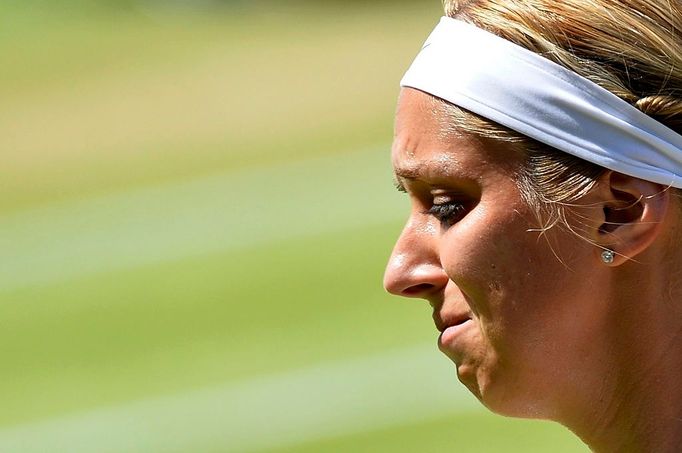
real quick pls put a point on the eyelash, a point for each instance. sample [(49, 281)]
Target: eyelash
[(447, 213)]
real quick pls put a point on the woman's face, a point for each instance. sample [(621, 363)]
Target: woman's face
[(518, 310)]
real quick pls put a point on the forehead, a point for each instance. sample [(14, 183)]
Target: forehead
[(425, 143)]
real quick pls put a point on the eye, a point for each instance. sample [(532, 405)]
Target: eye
[(447, 213)]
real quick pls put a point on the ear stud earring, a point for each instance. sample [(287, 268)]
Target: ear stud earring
[(607, 256)]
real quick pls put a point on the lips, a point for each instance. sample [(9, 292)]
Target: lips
[(452, 331), (444, 320)]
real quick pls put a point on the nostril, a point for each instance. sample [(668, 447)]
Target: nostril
[(418, 289)]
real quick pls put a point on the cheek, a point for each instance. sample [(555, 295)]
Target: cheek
[(508, 277), (534, 317), (491, 258)]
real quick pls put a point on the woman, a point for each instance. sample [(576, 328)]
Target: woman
[(540, 144)]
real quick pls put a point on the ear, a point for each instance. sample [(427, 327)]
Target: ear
[(634, 211)]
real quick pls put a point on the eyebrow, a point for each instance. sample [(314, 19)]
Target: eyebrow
[(409, 173)]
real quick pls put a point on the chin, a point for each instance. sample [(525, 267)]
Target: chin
[(502, 396), (467, 375)]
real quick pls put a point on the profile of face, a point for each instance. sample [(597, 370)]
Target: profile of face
[(518, 310)]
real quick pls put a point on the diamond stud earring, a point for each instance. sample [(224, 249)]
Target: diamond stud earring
[(607, 256)]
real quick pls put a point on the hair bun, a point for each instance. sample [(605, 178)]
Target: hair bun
[(665, 109)]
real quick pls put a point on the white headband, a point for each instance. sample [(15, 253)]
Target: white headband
[(519, 89)]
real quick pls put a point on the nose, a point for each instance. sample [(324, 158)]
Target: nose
[(414, 269)]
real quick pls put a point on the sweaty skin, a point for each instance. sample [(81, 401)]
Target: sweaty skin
[(533, 322), (527, 330)]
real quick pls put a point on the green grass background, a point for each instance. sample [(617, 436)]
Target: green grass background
[(194, 197)]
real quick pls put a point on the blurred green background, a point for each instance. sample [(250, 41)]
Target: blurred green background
[(196, 210)]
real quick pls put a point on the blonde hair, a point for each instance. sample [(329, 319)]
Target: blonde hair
[(632, 48)]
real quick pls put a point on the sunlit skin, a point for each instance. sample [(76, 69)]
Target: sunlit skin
[(531, 321)]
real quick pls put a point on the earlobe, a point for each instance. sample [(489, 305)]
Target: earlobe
[(633, 216)]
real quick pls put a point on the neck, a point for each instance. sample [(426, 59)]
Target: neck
[(643, 412), (637, 406)]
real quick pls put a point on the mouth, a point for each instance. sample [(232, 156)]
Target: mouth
[(451, 328), (444, 322)]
